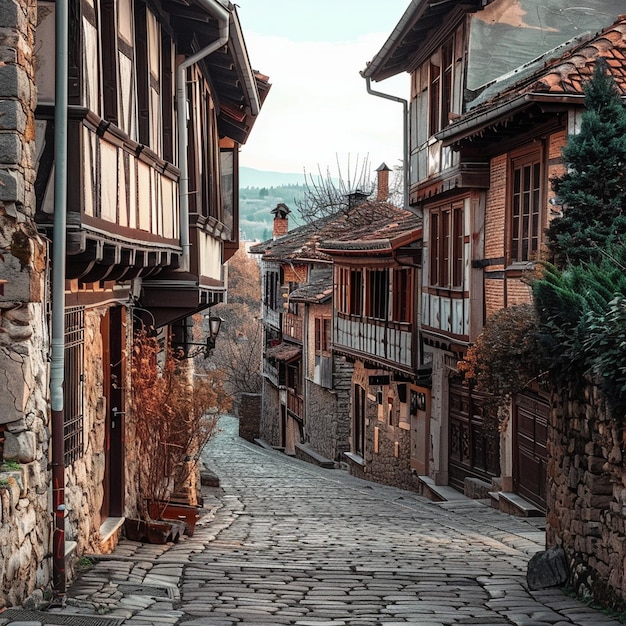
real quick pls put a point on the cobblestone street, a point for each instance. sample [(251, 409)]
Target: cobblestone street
[(290, 543)]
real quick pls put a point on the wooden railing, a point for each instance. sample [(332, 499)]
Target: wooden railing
[(292, 326)]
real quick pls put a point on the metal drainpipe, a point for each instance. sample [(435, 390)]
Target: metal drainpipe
[(405, 133), (57, 365), (223, 18)]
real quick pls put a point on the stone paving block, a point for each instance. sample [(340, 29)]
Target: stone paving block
[(286, 544)]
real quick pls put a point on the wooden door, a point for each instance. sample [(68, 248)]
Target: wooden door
[(113, 363), (419, 408), (474, 438), (530, 457)]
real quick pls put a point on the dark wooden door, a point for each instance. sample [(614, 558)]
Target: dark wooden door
[(113, 363), (530, 457), (474, 439)]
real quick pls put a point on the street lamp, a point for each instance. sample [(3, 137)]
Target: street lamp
[(215, 322)]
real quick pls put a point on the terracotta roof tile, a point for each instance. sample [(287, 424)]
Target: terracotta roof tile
[(370, 220), (564, 74)]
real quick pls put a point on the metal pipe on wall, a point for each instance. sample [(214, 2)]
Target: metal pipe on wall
[(57, 365)]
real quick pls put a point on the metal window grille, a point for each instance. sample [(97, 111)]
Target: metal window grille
[(73, 385)]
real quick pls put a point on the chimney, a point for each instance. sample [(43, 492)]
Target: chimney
[(281, 221), (383, 183)]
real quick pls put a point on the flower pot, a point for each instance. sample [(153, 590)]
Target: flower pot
[(172, 511), (153, 531)]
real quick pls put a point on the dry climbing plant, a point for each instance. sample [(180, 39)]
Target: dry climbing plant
[(174, 419)]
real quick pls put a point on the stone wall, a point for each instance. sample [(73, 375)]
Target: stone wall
[(326, 429), (25, 520), (586, 497), (387, 457), (249, 413), (84, 478), (270, 414)]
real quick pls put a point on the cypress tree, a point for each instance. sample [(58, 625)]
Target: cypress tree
[(594, 187)]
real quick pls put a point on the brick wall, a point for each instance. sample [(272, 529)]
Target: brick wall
[(495, 208)]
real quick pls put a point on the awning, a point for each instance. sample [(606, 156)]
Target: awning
[(284, 352)]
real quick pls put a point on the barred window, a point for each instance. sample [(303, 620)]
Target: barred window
[(74, 384)]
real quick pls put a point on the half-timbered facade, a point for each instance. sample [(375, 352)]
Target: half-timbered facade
[(485, 139), (160, 98)]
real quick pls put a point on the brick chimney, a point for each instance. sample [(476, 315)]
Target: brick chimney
[(383, 183), (281, 221)]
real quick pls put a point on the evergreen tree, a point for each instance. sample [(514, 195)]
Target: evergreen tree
[(594, 188)]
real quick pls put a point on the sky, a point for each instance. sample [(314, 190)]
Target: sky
[(318, 113)]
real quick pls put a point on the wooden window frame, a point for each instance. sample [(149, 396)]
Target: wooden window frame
[(447, 246), (322, 335), (402, 292), (356, 304), (526, 202), (108, 46), (377, 304), (142, 74)]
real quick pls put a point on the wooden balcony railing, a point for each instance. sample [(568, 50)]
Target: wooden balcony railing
[(292, 326)]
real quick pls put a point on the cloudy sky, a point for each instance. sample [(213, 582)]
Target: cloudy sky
[(318, 111)]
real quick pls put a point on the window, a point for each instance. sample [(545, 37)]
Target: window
[(167, 96), (108, 43), (271, 290), (377, 294), (143, 72), (525, 207), (402, 294), (440, 88), (447, 246), (73, 385), (322, 335), (356, 292)]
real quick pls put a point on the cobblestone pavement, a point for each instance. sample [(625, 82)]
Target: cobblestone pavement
[(285, 542)]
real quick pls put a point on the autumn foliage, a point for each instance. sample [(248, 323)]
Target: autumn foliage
[(173, 418)]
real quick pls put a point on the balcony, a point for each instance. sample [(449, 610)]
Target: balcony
[(292, 327), (390, 343)]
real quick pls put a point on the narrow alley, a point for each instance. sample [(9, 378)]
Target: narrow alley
[(291, 543)]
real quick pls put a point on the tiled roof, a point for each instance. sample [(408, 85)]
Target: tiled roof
[(369, 221), (284, 352), (563, 71), (315, 292), (559, 73)]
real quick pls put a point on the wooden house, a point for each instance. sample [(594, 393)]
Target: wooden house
[(377, 268), (490, 110), (161, 97)]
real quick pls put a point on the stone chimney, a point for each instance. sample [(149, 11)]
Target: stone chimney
[(281, 221), (383, 183)]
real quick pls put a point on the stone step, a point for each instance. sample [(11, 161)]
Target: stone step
[(514, 504)]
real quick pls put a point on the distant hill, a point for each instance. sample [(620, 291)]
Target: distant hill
[(249, 177), (259, 192)]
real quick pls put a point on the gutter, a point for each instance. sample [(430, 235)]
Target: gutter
[(57, 358), (405, 133), (223, 17)]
